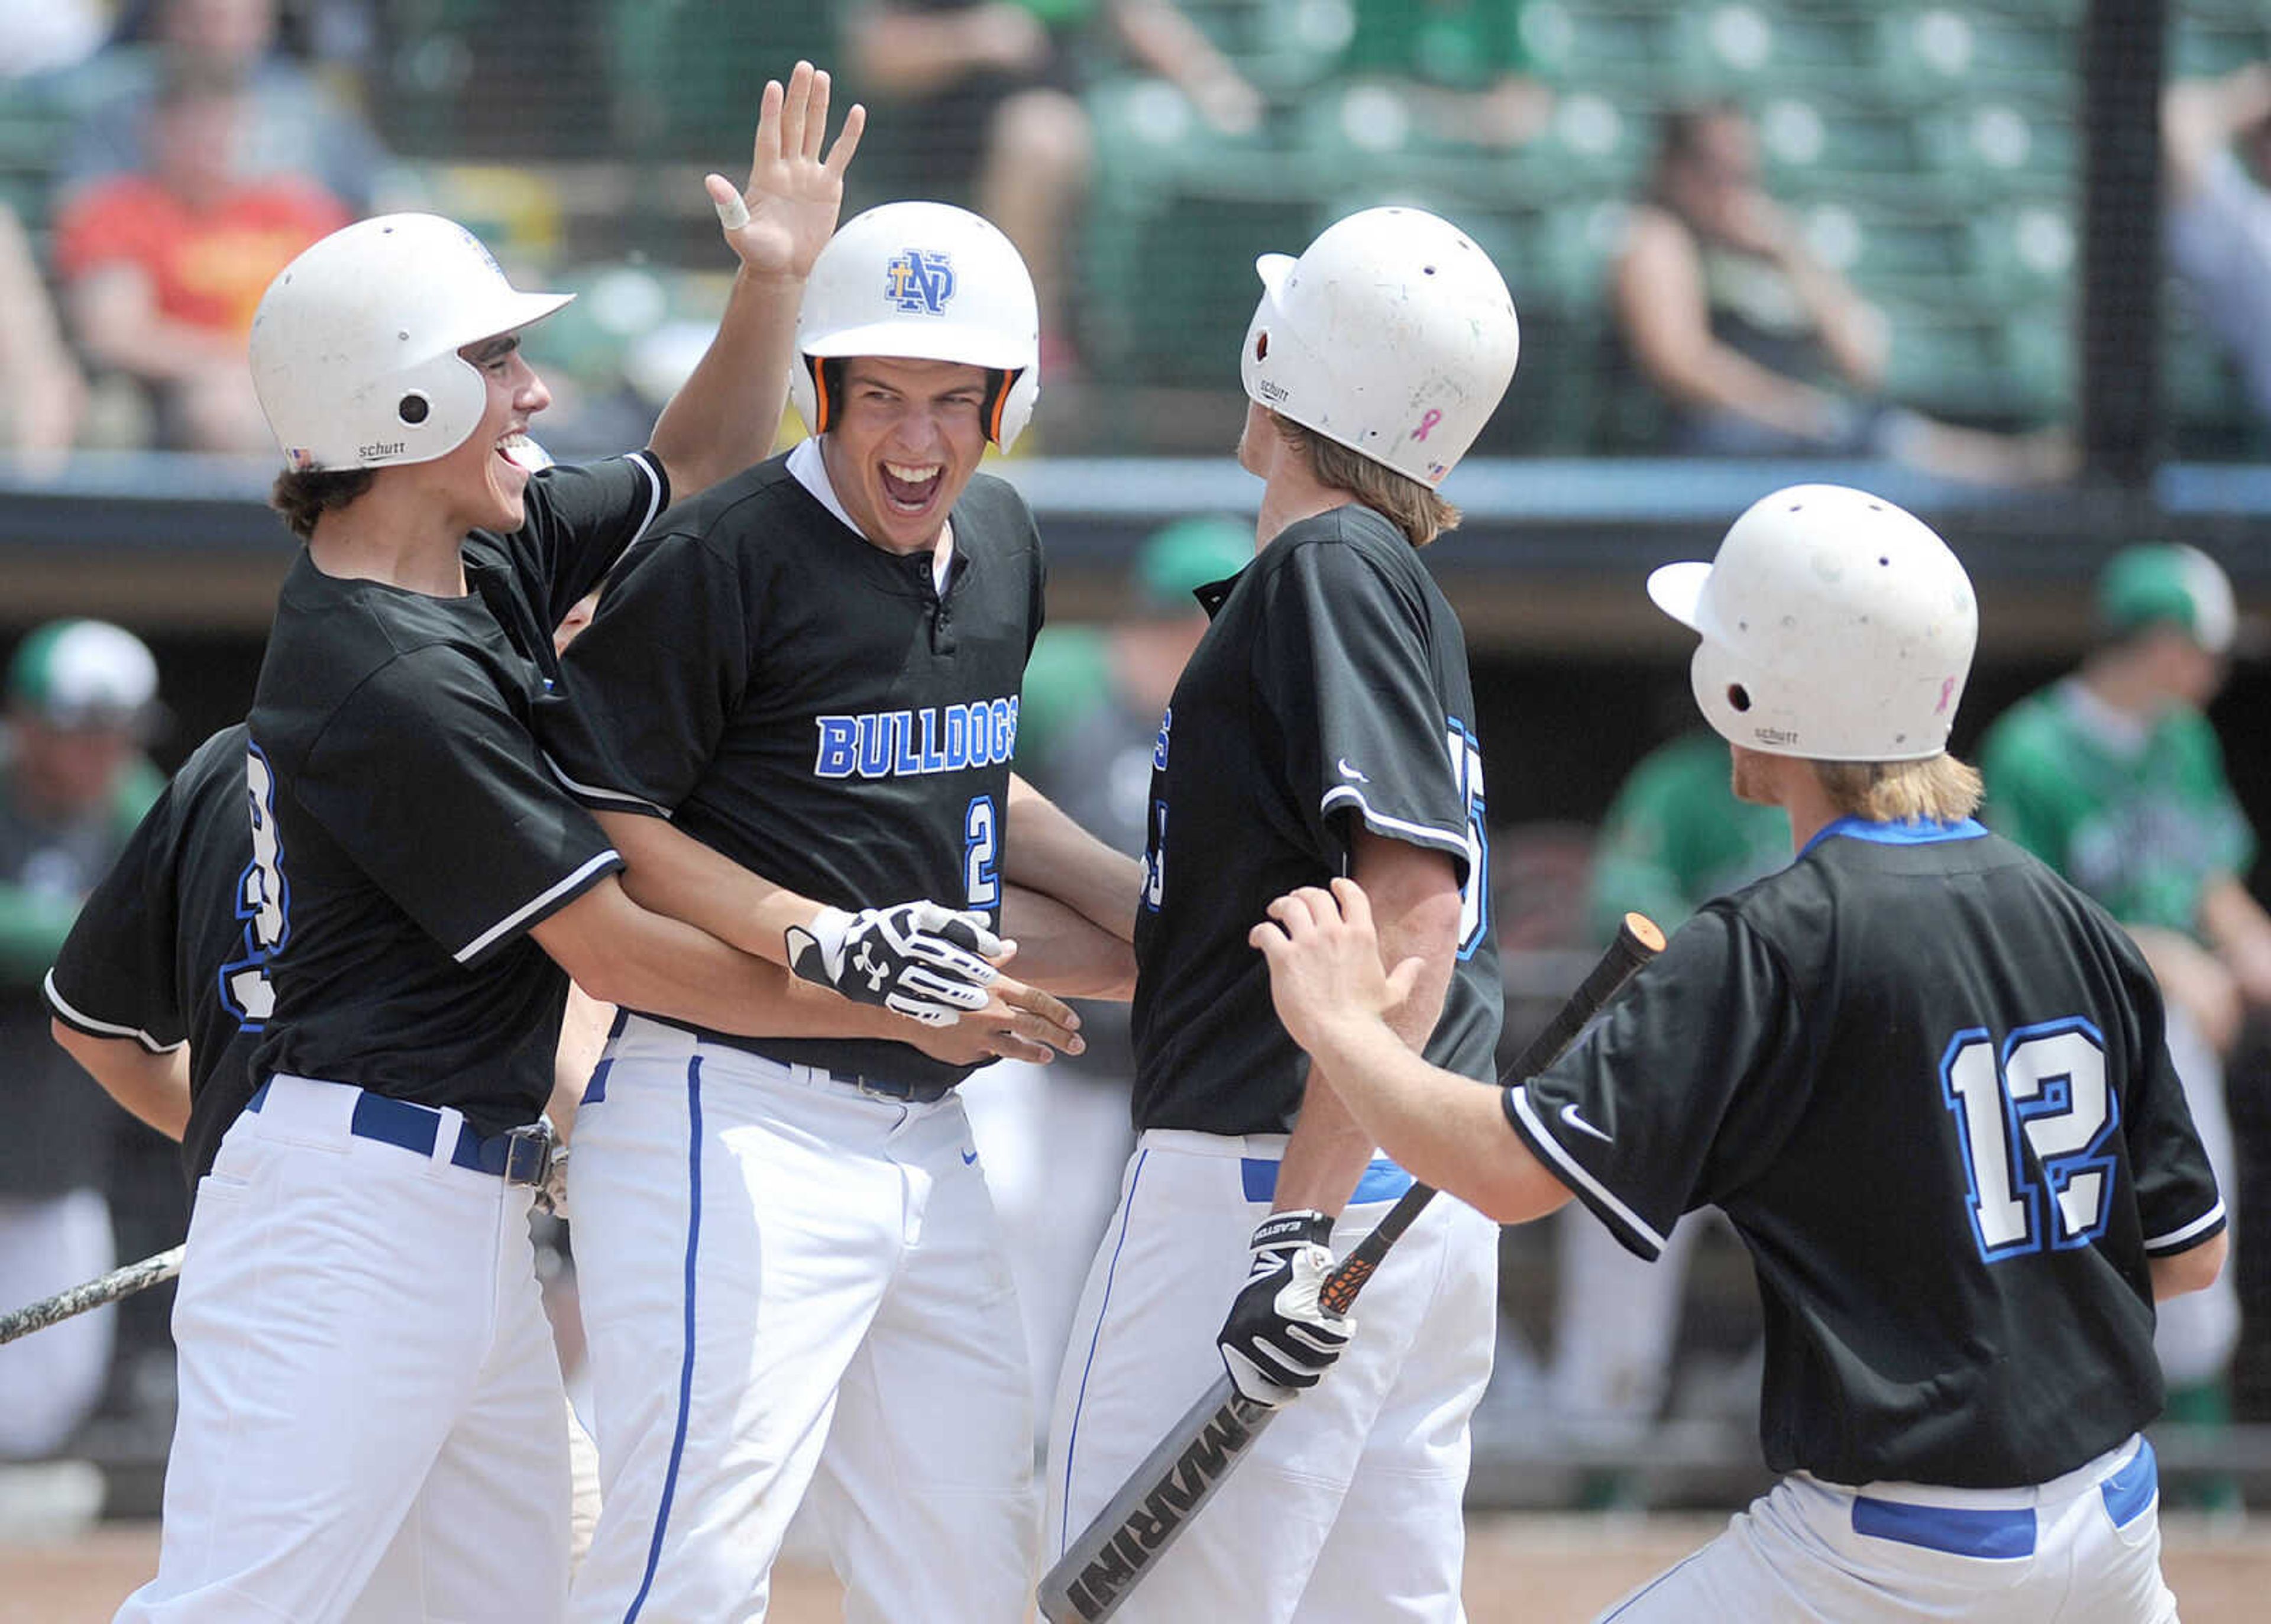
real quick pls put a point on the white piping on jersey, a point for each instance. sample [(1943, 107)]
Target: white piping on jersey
[(653, 494), (2178, 1237), (811, 471), (618, 796), (510, 919), (111, 1029), (1424, 834), (1633, 1220)]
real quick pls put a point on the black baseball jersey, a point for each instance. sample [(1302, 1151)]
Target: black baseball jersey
[(1926, 1081), (1330, 690), (407, 832), (810, 705), (164, 953)]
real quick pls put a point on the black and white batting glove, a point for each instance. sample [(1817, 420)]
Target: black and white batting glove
[(1279, 1338), (916, 959)]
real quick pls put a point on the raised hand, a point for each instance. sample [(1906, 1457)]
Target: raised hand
[(781, 220), (1324, 959)]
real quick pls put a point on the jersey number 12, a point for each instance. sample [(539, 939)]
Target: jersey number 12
[(2034, 1117)]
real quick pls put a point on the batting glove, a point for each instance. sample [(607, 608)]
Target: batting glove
[(1279, 1338), (916, 959)]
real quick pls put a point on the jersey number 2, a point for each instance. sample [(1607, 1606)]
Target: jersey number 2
[(980, 840), (2033, 1118)]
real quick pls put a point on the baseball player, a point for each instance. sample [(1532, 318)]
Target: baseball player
[(1922, 1076), (791, 1273), (1325, 725), (2113, 777), (370, 1401), (73, 780)]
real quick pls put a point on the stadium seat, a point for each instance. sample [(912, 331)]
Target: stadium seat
[(1942, 52)]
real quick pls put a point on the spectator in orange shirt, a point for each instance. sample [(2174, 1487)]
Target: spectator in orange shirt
[(161, 270)]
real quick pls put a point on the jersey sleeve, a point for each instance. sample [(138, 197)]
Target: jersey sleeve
[(583, 516), (1343, 668), (653, 680), (2178, 1206), (430, 784), (1668, 1101), (114, 976)]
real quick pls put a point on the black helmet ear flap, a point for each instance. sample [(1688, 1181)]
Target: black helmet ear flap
[(998, 381), (826, 386)]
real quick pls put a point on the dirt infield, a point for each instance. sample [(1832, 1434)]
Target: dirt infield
[(1521, 1569)]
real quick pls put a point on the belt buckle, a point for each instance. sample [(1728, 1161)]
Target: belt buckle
[(527, 1153), (873, 1090)]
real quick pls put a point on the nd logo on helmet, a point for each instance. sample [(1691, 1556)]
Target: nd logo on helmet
[(921, 281)]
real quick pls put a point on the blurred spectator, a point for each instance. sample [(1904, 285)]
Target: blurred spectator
[(1674, 837), (73, 784), (1054, 1138), (41, 394), (984, 107), (1461, 63), (162, 272), (2115, 778), (1760, 348), (2215, 139), (295, 125)]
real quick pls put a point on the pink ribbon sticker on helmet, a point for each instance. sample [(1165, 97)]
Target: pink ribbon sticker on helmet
[(1432, 418)]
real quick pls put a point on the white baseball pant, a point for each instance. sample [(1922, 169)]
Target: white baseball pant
[(2084, 1548), (1347, 1510), (50, 1383), (787, 1283), (370, 1426)]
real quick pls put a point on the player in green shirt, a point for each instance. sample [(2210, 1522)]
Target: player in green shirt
[(2114, 778)]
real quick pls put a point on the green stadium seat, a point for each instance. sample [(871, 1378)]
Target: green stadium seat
[(2199, 48), (1579, 45), (2003, 148), (2041, 367), (687, 75), (1753, 46), (1943, 53), (2022, 254)]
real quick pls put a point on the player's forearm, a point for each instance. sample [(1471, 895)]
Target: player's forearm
[(673, 874), (727, 416), (2193, 1269), (1047, 852), (1416, 908), (2232, 919), (583, 1036), (1062, 952), (620, 952), (155, 1087), (1444, 1130), (1853, 331)]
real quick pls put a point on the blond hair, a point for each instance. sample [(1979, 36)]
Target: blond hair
[(1938, 789), (1403, 501)]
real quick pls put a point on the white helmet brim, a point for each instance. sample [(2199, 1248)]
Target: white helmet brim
[(975, 346), (1678, 589)]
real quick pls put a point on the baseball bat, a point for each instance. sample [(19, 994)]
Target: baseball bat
[(1118, 1547), (123, 1281)]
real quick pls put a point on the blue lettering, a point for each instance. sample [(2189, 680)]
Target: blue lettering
[(981, 735), (1159, 746), (840, 747), (1005, 730), (874, 747), (903, 761), (934, 759), (957, 736)]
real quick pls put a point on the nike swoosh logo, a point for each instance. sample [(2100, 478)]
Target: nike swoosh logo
[(1570, 1115), (969, 1158), (1348, 771)]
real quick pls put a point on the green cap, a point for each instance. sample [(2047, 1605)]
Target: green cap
[(1177, 561), (90, 674), (2168, 582)]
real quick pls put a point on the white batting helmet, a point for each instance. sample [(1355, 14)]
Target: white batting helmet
[(1392, 333), (1836, 626), (355, 347), (930, 282)]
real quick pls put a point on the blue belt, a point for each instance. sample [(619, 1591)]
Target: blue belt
[(1382, 1180), (1998, 1534), (517, 1156)]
